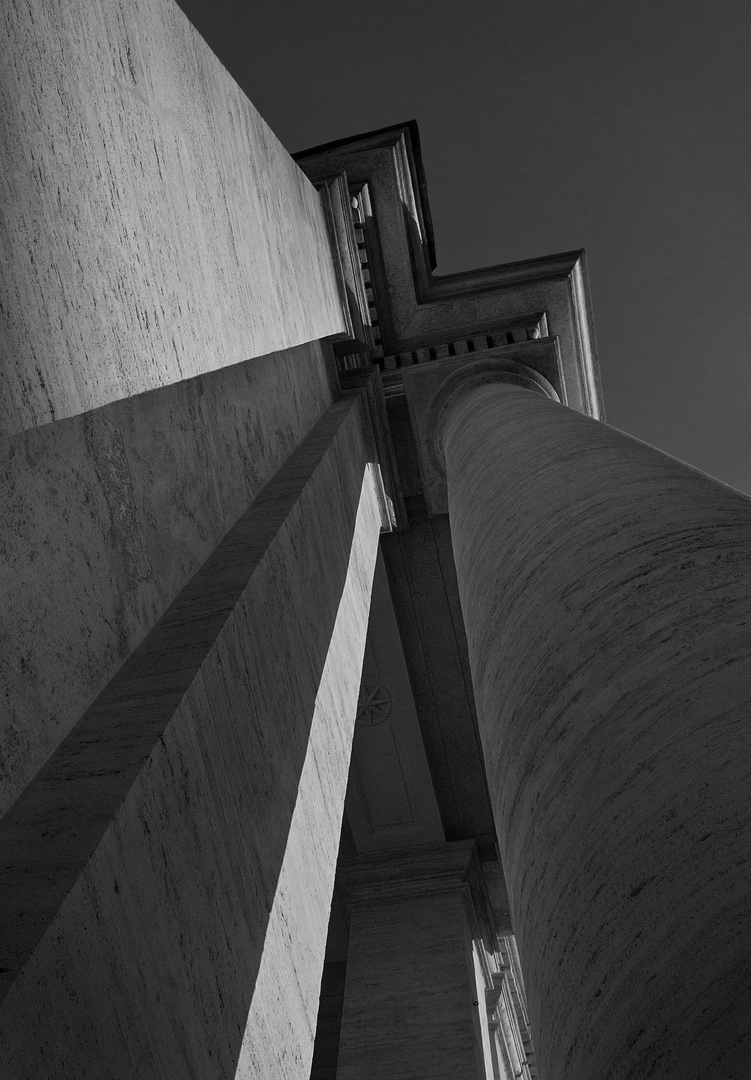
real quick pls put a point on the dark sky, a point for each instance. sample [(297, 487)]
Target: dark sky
[(621, 127)]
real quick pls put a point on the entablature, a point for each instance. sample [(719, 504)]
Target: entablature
[(414, 312)]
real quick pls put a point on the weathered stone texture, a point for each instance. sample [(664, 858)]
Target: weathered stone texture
[(606, 590), (106, 516), (153, 228), (281, 1026), (168, 875), (408, 1004)]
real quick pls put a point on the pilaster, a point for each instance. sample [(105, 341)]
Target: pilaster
[(153, 922), (422, 950)]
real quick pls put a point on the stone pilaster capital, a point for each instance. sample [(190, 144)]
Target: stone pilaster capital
[(431, 869), (438, 868)]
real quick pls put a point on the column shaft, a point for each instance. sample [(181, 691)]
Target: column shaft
[(606, 591)]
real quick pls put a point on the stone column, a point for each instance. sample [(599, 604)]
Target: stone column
[(166, 877), (414, 1002), (606, 590)]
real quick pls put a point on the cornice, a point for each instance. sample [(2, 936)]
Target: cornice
[(357, 336), (417, 309), (315, 162), (429, 870), (506, 275)]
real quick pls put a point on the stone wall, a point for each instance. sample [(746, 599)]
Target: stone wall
[(168, 874), (153, 227), (106, 516)]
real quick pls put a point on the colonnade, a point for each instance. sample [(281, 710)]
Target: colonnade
[(191, 522), (606, 593)]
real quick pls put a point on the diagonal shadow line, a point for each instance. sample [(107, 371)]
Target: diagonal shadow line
[(56, 825)]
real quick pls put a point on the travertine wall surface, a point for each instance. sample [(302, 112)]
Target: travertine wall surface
[(606, 591), (104, 518), (281, 1025), (167, 877), (152, 227), (408, 999)]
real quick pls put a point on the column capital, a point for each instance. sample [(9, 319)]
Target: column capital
[(433, 390)]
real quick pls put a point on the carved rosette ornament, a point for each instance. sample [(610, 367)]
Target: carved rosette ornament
[(373, 704)]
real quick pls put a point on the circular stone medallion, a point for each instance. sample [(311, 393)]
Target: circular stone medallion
[(373, 704)]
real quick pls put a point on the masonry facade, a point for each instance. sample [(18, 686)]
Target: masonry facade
[(371, 708)]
